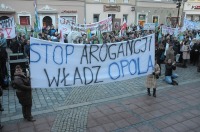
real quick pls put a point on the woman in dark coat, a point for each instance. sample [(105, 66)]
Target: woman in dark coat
[(23, 92)]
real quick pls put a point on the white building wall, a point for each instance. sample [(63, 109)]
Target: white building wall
[(98, 9), (191, 12)]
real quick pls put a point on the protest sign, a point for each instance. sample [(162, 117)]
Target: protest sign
[(65, 26), (191, 25), (171, 31), (149, 26), (7, 27), (56, 65)]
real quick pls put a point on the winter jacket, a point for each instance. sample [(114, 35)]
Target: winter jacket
[(169, 68), (23, 89)]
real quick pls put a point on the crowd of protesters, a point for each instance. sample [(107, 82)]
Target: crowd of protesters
[(181, 52), (169, 51)]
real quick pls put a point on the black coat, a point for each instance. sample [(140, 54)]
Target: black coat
[(169, 68), (24, 92)]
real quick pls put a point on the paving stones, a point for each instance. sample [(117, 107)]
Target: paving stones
[(118, 106)]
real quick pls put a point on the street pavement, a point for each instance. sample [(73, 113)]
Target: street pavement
[(119, 106)]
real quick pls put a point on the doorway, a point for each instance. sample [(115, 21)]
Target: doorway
[(47, 21)]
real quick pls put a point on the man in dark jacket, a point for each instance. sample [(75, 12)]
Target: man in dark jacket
[(169, 75), (14, 46), (3, 69), (23, 92)]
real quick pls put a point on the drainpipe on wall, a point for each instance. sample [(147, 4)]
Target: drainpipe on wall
[(85, 12), (135, 12)]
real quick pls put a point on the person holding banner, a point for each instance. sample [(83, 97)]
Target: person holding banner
[(23, 92), (151, 80)]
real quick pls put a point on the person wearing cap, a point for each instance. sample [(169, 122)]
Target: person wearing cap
[(24, 92)]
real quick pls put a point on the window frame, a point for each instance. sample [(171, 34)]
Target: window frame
[(127, 1), (25, 14), (114, 1), (96, 15)]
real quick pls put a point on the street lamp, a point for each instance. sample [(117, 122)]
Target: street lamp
[(178, 5)]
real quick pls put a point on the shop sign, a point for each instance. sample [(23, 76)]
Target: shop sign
[(195, 7), (69, 11), (111, 8)]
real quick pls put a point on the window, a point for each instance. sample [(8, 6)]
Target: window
[(112, 1), (97, 0), (126, 1), (96, 18), (24, 20), (113, 15), (125, 17)]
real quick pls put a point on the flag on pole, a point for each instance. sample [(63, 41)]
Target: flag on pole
[(26, 32), (100, 38), (89, 34), (124, 25), (36, 24), (160, 35)]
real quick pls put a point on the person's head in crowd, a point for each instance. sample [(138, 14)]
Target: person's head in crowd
[(28, 42), (169, 61), (84, 36), (2, 35), (161, 46), (65, 36), (52, 26), (18, 69)]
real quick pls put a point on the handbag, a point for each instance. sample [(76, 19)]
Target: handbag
[(157, 76)]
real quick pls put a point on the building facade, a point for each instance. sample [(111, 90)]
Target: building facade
[(157, 11), (192, 10), (48, 11), (89, 11), (120, 10)]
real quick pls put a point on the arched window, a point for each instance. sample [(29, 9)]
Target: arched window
[(3, 18), (47, 21)]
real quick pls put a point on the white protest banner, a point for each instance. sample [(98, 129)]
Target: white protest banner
[(191, 25), (103, 26), (149, 26), (67, 25), (171, 31), (7, 27), (56, 65)]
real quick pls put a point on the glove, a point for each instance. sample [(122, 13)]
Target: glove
[(153, 73)]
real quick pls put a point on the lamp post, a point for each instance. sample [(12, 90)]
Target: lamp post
[(178, 5)]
